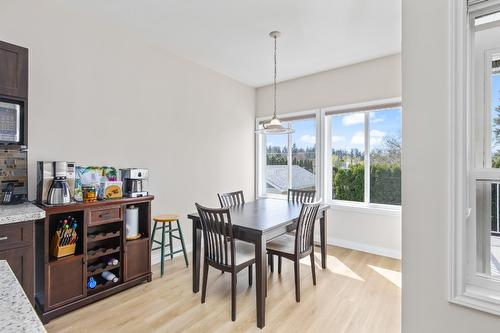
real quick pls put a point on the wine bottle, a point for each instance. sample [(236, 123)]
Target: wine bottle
[(109, 276)]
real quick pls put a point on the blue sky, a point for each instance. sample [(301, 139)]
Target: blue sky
[(347, 130)]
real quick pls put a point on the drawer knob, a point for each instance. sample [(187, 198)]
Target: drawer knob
[(104, 215), (3, 238)]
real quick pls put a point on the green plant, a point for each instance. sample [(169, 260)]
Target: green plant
[(348, 183)]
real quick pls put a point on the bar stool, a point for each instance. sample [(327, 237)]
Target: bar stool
[(168, 219)]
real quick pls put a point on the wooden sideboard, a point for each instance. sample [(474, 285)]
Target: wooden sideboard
[(61, 284)]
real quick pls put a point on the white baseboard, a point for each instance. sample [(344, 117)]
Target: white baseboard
[(381, 251)]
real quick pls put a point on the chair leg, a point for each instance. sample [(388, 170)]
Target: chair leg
[(271, 262), (279, 264), (297, 280), (170, 240), (204, 282), (182, 242), (153, 235), (313, 267), (250, 275), (162, 249), (233, 295)]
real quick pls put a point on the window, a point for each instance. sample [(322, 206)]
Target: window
[(348, 156), (475, 157), (366, 155), (289, 161)]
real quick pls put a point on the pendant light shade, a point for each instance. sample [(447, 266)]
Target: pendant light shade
[(274, 126)]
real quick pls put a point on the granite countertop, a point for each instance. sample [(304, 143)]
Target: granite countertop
[(16, 312), (20, 213)]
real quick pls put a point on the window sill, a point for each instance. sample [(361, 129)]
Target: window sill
[(365, 208), (356, 207)]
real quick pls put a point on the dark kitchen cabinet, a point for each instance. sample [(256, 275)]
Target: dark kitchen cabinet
[(13, 70), (66, 281), (16, 246), (137, 258)]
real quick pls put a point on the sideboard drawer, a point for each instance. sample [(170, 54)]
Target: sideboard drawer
[(16, 235), (105, 215)]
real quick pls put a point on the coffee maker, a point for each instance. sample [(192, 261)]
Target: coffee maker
[(135, 182), (55, 182)]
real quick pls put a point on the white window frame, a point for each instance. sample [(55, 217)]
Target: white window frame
[(366, 206), (466, 286), (323, 163), (260, 190)]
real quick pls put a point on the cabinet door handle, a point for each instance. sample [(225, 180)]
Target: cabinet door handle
[(3, 238)]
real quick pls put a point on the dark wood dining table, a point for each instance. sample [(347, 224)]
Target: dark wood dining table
[(258, 222)]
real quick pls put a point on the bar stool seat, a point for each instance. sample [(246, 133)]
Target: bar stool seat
[(166, 221), (166, 218)]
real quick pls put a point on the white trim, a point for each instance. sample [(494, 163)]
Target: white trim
[(366, 185), (363, 208), (327, 162), (466, 286), (381, 251), (346, 107)]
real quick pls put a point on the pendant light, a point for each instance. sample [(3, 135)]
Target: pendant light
[(274, 126)]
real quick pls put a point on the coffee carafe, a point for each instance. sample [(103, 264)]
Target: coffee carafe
[(59, 192)]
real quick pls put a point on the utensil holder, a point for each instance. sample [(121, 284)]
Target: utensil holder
[(59, 251)]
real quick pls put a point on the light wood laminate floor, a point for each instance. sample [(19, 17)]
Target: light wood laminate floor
[(357, 292)]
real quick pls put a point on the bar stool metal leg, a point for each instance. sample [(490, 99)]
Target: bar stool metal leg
[(182, 242), (162, 248), (170, 240)]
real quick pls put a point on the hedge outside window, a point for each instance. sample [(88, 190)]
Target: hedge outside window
[(350, 144)]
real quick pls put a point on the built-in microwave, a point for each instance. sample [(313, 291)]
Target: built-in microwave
[(10, 122)]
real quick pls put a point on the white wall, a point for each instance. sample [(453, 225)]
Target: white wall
[(367, 81), (99, 95), (425, 68)]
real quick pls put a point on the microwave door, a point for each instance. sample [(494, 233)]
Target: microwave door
[(10, 122)]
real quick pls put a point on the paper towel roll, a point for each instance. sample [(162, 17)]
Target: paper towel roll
[(132, 221)]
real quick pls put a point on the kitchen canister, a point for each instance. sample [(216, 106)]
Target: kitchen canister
[(132, 222)]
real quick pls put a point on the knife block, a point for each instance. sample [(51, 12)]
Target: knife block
[(59, 251)]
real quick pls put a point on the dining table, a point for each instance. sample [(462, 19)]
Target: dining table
[(258, 222)]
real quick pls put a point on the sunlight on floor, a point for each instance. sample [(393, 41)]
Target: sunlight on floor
[(335, 266), (392, 276)]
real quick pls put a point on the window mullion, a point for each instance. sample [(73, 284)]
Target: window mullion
[(367, 158), (290, 157)]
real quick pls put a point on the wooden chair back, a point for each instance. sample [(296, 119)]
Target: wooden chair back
[(305, 228), (301, 196), (231, 199), (217, 235)]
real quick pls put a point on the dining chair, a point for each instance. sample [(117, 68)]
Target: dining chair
[(298, 246), (222, 251), (231, 199), (301, 196), (295, 196)]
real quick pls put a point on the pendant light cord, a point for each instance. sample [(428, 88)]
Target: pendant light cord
[(275, 64)]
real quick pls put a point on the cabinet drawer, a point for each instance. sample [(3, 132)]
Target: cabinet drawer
[(105, 215), (16, 235)]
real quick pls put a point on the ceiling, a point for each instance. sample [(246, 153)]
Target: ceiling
[(231, 36)]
